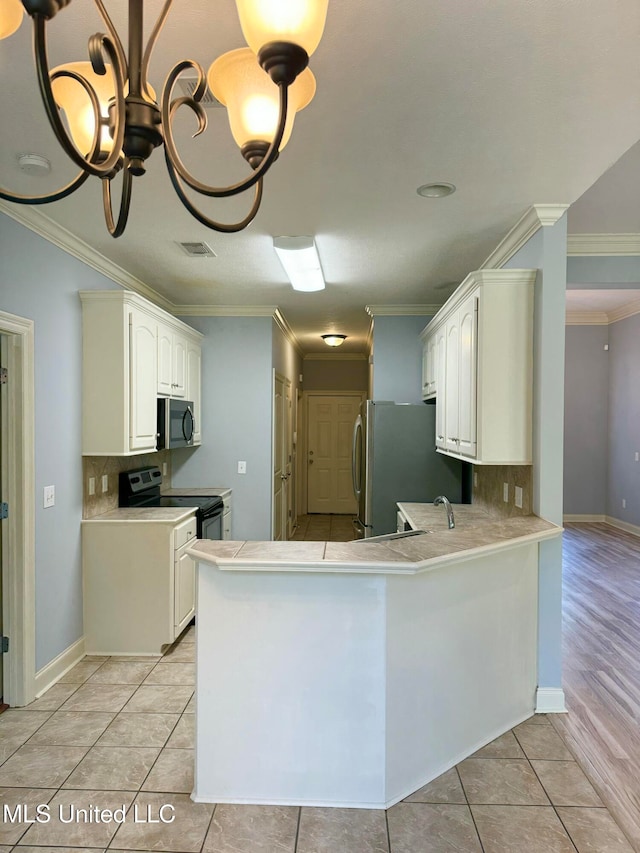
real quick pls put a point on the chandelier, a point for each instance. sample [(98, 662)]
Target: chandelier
[(106, 117)]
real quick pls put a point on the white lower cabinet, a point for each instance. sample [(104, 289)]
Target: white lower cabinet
[(479, 348), (138, 584)]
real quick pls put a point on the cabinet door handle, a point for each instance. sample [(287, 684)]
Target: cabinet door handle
[(440, 438)]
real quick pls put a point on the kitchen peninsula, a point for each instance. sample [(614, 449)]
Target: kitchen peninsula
[(351, 674)]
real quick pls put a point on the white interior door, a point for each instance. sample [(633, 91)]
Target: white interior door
[(329, 445)]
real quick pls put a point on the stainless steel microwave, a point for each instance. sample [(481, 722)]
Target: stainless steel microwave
[(176, 423)]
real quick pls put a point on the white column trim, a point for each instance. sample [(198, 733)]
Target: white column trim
[(18, 477), (550, 700), (603, 245)]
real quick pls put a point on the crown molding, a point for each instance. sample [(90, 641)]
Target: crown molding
[(628, 310), (603, 245), (401, 310), (587, 318), (538, 216), (287, 331), (36, 221), (369, 340), (226, 310), (335, 356), (603, 318)]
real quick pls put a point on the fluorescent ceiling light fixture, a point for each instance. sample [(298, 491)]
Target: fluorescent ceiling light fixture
[(299, 257), (334, 340)]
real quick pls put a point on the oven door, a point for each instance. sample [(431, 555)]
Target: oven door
[(210, 526)]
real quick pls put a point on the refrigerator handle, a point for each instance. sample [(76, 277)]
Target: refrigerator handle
[(356, 461)]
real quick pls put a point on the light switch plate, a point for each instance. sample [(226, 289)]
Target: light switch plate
[(242, 467), (49, 496)]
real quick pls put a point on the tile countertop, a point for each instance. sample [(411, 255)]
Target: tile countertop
[(145, 515), (209, 492), (476, 534)]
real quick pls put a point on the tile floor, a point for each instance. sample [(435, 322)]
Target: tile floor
[(318, 527), (118, 733)]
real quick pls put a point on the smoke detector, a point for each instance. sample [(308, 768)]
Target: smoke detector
[(34, 164), (197, 250)]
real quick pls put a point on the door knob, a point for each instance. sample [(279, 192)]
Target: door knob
[(311, 462)]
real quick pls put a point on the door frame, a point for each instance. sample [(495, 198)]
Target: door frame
[(303, 438), (18, 485)]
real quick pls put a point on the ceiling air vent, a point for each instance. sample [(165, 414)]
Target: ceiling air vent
[(197, 250), (188, 86)]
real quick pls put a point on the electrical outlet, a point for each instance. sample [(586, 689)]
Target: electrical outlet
[(475, 479), (242, 467), (505, 492), (49, 496), (165, 468), (624, 503), (637, 456), (92, 485), (518, 497), (105, 483)]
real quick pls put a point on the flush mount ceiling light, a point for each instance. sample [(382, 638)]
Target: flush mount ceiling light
[(436, 190), (299, 257), (334, 340), (105, 115)]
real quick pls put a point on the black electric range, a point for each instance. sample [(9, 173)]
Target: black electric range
[(141, 488)]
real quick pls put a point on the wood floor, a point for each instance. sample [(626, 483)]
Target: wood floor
[(601, 608)]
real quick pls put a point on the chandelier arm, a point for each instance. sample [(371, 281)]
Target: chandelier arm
[(169, 109), (53, 113), (201, 217), (63, 192), (153, 38), (115, 38), (117, 228)]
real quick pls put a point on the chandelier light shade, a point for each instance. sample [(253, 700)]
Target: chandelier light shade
[(334, 340), (11, 14), (252, 98), (299, 22), (106, 117)]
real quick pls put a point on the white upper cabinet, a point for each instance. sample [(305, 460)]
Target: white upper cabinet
[(194, 382), (132, 352), (143, 370), (429, 366), (172, 362), (482, 364)]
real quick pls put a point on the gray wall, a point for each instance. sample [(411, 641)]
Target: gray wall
[(397, 358), (336, 374), (41, 282), (236, 419), (586, 425), (624, 420)]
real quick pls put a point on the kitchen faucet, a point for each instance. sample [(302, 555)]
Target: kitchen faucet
[(441, 499)]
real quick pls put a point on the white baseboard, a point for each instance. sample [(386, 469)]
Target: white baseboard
[(55, 669), (550, 700), (585, 519), (623, 525)]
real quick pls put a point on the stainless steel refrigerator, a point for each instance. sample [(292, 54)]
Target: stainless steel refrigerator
[(394, 459)]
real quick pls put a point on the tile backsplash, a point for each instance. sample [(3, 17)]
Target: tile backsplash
[(98, 466), (489, 491)]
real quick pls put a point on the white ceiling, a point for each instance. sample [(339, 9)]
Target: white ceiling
[(515, 102)]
